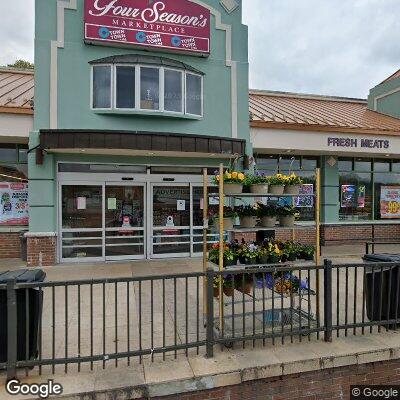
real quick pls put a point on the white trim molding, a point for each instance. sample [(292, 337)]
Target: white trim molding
[(40, 234), (382, 96)]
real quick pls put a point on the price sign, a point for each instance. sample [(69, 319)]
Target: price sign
[(390, 202), (13, 203)]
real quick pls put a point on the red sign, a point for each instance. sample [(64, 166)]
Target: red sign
[(177, 25)]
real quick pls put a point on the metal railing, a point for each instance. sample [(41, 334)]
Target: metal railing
[(87, 324)]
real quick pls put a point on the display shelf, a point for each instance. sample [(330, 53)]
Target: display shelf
[(238, 229), (238, 195)]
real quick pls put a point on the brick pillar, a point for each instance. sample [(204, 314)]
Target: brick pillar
[(41, 249)]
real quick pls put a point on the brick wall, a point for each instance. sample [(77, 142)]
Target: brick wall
[(10, 246), (323, 384), (41, 251)]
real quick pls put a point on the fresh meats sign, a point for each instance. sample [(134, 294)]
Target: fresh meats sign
[(177, 25)]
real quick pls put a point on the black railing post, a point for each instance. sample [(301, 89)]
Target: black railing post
[(11, 329), (210, 313), (328, 300)]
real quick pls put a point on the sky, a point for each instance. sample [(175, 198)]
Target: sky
[(332, 47)]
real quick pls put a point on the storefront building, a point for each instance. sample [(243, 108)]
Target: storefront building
[(16, 121), (355, 143), (130, 105)]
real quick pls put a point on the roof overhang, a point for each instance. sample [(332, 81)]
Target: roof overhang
[(139, 143)]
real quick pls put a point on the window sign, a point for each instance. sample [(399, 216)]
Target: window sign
[(14, 203), (176, 25), (81, 203), (181, 205), (112, 203), (390, 202), (305, 201), (348, 196)]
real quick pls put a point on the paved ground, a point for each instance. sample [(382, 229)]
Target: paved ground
[(108, 318)]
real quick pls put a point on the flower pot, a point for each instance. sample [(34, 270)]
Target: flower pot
[(292, 257), (246, 288), (308, 257), (233, 188), (292, 189), (229, 263), (276, 189), (287, 221), (228, 223), (261, 188), (248, 222), (247, 261), (273, 259), (229, 291), (264, 259), (216, 292), (268, 222)]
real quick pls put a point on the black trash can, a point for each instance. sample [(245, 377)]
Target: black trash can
[(24, 249), (382, 294), (29, 310)]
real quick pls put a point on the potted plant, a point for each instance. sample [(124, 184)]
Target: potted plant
[(247, 215), (216, 282), (274, 253), (233, 182), (263, 257), (307, 252), (258, 183), (287, 215), (267, 215), (248, 254), (229, 217), (229, 254), (229, 286), (244, 283), (291, 250), (277, 184), (292, 184)]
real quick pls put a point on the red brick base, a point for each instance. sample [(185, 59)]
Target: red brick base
[(10, 246), (41, 251), (323, 384)]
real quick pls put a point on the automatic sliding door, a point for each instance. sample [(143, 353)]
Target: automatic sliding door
[(124, 222), (81, 222), (171, 230)]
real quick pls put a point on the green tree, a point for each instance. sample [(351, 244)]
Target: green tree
[(22, 64)]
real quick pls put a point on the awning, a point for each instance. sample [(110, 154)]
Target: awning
[(138, 143)]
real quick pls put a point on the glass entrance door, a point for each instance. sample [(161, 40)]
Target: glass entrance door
[(124, 222), (171, 221)]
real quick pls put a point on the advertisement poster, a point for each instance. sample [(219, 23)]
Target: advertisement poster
[(390, 202), (348, 197), (14, 203), (178, 25), (361, 197), (305, 201)]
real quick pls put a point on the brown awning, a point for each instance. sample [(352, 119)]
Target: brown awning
[(136, 142)]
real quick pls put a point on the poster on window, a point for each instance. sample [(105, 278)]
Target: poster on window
[(13, 203), (306, 201), (348, 197), (390, 202)]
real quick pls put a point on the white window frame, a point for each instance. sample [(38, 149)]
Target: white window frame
[(111, 88), (183, 92), (137, 108), (201, 94)]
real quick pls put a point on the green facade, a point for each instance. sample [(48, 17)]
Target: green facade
[(385, 98), (69, 63)]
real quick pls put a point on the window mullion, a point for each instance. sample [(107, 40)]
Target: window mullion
[(137, 87), (161, 88)]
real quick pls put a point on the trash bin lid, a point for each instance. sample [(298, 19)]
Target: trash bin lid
[(23, 276)]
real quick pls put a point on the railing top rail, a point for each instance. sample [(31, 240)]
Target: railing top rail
[(367, 264), (100, 281)]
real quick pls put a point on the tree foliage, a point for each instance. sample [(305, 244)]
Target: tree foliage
[(22, 64)]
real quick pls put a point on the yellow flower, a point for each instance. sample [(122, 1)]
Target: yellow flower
[(229, 175), (241, 177), (217, 178), (234, 175)]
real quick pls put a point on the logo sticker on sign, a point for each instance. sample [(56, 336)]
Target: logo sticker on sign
[(177, 25)]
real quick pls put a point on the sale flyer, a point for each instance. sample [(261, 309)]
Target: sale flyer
[(390, 202), (13, 203)]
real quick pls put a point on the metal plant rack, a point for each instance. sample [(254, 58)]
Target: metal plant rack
[(263, 321)]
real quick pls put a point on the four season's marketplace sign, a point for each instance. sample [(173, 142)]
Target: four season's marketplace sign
[(390, 202), (178, 25), (13, 203)]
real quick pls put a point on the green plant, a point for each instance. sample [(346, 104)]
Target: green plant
[(266, 210), (277, 180), (229, 212), (293, 180), (246, 211), (248, 253), (229, 282), (285, 211), (256, 179), (229, 253), (230, 177), (216, 282)]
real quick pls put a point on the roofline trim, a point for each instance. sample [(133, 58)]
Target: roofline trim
[(306, 96), (16, 110), (321, 128), (22, 71)]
